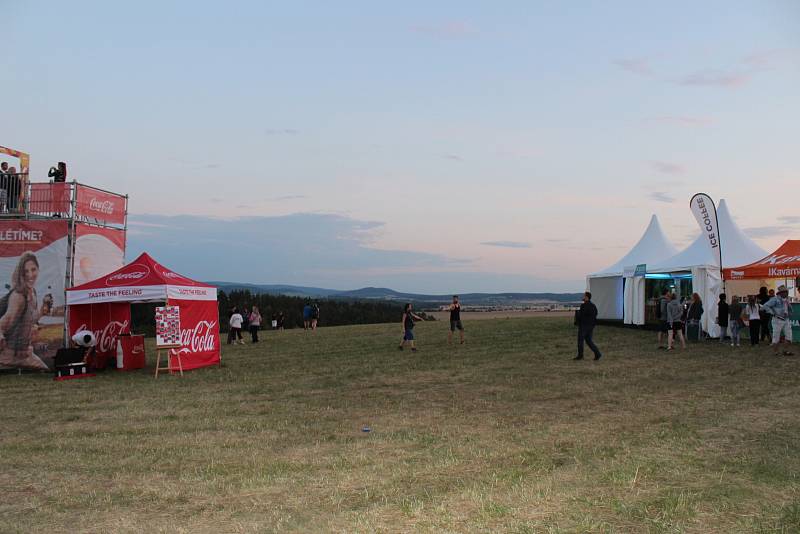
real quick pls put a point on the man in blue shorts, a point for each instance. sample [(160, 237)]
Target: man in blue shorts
[(408, 328)]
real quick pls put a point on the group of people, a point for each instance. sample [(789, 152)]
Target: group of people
[(675, 317), (409, 318), (10, 187), (310, 316), (246, 320), (250, 321), (766, 316)]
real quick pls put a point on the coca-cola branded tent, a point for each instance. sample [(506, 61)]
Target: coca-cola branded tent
[(103, 306)]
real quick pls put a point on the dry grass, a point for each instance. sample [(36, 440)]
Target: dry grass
[(505, 433), (501, 314)]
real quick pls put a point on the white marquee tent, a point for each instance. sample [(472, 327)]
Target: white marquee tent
[(698, 259), (620, 297)]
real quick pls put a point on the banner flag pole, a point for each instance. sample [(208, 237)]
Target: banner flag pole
[(705, 212)]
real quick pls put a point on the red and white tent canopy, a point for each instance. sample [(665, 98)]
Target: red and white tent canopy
[(783, 263), (103, 306), (142, 280)]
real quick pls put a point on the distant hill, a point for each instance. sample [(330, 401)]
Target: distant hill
[(386, 294), (277, 289)]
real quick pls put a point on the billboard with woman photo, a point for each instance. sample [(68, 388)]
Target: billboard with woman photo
[(33, 266)]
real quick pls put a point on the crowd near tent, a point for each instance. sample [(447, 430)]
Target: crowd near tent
[(700, 265), (103, 306), (614, 291), (694, 269)]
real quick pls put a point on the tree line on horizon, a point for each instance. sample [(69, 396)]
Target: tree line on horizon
[(332, 312)]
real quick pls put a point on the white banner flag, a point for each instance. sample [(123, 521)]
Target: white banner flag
[(706, 214)]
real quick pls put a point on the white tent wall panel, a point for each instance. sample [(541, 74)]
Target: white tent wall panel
[(607, 295), (627, 309), (639, 297)]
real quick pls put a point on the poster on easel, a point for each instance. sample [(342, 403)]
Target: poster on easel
[(168, 326)]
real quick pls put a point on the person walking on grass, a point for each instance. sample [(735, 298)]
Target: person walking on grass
[(586, 319), (723, 312), (255, 324), (735, 321), (455, 321), (314, 316), (675, 320), (752, 314), (661, 315), (781, 311), (408, 328), (307, 312), (235, 324)]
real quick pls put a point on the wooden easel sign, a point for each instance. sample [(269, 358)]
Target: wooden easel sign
[(168, 336)]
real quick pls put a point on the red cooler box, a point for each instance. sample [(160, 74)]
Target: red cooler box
[(130, 353)]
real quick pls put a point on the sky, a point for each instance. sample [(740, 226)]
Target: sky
[(446, 146)]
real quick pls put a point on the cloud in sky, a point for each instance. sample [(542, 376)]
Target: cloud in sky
[(662, 196), (716, 78), (766, 59), (452, 157), (758, 232), (448, 29), (790, 219), (507, 244), (281, 131), (639, 65), (282, 198), (681, 120), (303, 249), (666, 167), (734, 76)]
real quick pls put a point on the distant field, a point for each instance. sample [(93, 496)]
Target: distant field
[(508, 314), (503, 434)]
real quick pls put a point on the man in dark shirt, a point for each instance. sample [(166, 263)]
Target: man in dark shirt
[(587, 319), (663, 325), (722, 317), (455, 321)]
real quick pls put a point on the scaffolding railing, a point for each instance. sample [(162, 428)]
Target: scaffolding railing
[(13, 188), (66, 200)]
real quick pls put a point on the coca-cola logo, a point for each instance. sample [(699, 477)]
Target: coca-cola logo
[(131, 273), (102, 206), (201, 338), (107, 336)]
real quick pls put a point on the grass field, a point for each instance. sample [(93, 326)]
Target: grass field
[(505, 433)]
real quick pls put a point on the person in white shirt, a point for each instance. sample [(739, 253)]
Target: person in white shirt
[(752, 315), (235, 323)]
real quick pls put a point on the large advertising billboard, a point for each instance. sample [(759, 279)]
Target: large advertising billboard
[(98, 251), (33, 266), (100, 205)]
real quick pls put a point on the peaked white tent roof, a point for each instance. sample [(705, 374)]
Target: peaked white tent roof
[(652, 247), (737, 248)]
